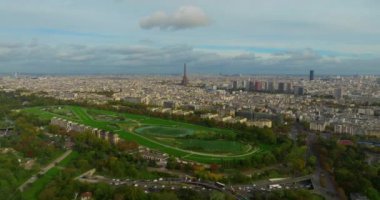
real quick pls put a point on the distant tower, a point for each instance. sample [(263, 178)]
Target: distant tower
[(185, 81), (311, 75)]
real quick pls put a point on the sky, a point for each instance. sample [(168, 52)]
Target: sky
[(211, 36)]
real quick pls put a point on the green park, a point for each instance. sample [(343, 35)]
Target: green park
[(187, 141)]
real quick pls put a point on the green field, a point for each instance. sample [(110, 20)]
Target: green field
[(163, 131), (172, 137)]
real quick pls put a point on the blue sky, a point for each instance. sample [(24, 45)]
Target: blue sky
[(212, 36)]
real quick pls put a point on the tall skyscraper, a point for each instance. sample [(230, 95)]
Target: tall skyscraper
[(185, 80), (311, 75)]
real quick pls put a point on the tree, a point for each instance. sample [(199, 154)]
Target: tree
[(164, 195), (372, 193), (312, 160), (214, 167), (214, 195)]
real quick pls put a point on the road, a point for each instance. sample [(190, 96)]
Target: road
[(328, 190), (160, 184), (44, 170), (241, 191)]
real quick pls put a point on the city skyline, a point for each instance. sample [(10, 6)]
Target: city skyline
[(129, 37), (189, 99)]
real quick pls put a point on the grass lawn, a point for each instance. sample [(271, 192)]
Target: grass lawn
[(162, 131), (61, 110), (214, 146), (221, 147)]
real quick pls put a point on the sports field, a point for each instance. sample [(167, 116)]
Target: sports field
[(187, 141)]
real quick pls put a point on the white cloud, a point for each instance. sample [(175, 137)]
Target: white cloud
[(185, 17), (41, 58)]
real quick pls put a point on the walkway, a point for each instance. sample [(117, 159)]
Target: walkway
[(44, 170)]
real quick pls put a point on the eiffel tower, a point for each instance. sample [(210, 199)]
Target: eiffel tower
[(185, 80)]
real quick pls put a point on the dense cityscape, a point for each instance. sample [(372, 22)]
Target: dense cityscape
[(343, 104), (297, 107), (189, 100)]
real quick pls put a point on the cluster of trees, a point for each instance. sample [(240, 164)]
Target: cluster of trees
[(352, 173), (287, 194), (16, 100), (288, 158), (283, 151), (254, 134), (27, 140), (108, 159), (31, 141), (11, 175), (256, 161)]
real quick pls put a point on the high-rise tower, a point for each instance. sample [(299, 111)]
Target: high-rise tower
[(311, 76), (185, 81)]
